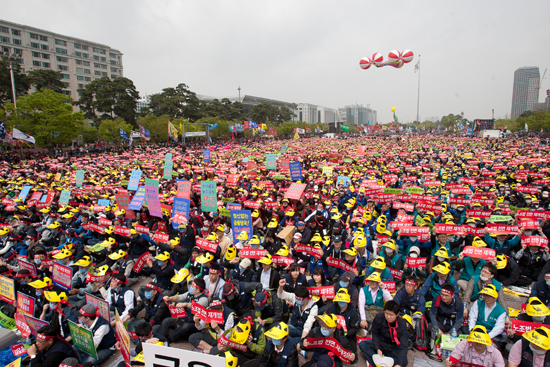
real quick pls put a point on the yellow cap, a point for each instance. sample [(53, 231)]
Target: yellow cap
[(536, 308), (489, 290), (539, 336), (84, 261), (502, 261), (231, 253), (479, 335), (240, 332), (329, 320), (55, 297), (442, 252), (266, 260), (342, 296), (443, 268), (163, 257), (375, 277), (278, 332), (180, 276), (379, 263)]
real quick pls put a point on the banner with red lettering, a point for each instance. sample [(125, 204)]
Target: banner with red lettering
[(315, 252), (252, 253), (140, 263), (332, 345), (177, 312), (322, 291), (448, 229), (207, 315), (534, 241), (414, 231), (295, 191), (142, 229), (34, 323), (529, 224), (478, 213), (25, 304), (62, 276), (21, 325), (207, 245), (479, 252), (479, 232), (282, 260), (18, 349), (122, 231), (458, 363), (27, 265), (390, 287), (407, 207), (416, 262), (231, 344), (528, 214), (184, 189), (502, 229), (397, 274), (161, 237), (340, 264)]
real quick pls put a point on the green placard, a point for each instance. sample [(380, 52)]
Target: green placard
[(152, 183), (79, 177), (271, 161), (500, 218), (284, 148), (228, 200), (344, 128), (389, 190), (83, 339), (65, 197), (7, 322), (168, 166), (515, 208), (347, 160), (209, 201), (278, 177), (225, 212), (95, 248), (415, 190), (124, 183)]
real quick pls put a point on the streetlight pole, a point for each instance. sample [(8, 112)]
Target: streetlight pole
[(239, 89), (13, 87)]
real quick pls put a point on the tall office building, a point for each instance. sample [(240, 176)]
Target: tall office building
[(79, 61), (357, 114), (526, 90)]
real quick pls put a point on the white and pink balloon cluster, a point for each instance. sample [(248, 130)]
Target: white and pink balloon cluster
[(395, 59)]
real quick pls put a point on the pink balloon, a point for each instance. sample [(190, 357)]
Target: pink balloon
[(407, 56), (365, 63), (377, 58)]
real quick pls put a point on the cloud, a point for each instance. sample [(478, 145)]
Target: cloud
[(309, 51)]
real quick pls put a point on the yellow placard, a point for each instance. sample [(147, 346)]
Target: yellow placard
[(7, 290)]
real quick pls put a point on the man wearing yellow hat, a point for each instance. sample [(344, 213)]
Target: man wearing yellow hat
[(478, 349), (280, 350), (487, 276), (248, 333), (532, 349), (432, 286), (372, 298), (535, 311), (488, 313), (303, 311)]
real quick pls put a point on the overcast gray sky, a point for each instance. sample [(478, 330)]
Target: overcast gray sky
[(309, 50)]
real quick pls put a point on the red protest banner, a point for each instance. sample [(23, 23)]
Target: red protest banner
[(315, 252), (122, 231), (105, 222), (140, 263), (207, 245), (390, 287), (177, 312), (416, 262), (101, 306), (397, 274), (527, 214), (295, 191), (184, 189), (229, 343), (414, 231), (479, 232), (478, 213), (25, 304), (34, 323), (534, 241), (502, 229), (407, 207), (26, 265), (521, 327), (480, 252), (332, 345), (96, 228), (280, 260), (405, 218), (458, 363), (252, 204), (340, 264), (18, 349), (327, 291), (207, 315), (448, 229), (161, 237), (21, 325), (142, 229), (62, 276), (529, 224), (252, 253)]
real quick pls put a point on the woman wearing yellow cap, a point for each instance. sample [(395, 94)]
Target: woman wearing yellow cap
[(532, 349), (477, 349)]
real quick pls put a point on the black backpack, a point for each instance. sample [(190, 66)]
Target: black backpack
[(422, 335)]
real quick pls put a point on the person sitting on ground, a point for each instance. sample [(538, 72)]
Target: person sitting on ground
[(478, 349), (280, 349), (532, 349), (50, 349)]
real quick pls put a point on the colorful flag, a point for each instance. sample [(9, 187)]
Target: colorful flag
[(417, 66), (144, 132), (2, 130), (264, 127), (172, 131), (299, 131), (18, 135), (123, 134), (526, 129), (296, 136), (211, 126)]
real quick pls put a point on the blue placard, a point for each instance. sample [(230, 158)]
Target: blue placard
[(343, 180), (206, 155), (181, 206), (104, 202), (138, 199), (241, 220), (295, 171), (24, 192), (133, 182)]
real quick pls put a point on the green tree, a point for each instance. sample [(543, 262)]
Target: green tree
[(89, 134), (535, 120), (47, 116), (106, 99), (49, 79), (109, 130), (157, 126), (175, 102), (21, 80), (263, 112)]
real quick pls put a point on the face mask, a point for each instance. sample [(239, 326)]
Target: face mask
[(23, 282), (82, 270), (160, 262), (342, 304), (483, 278), (241, 268), (413, 239), (81, 322), (440, 258), (538, 319), (116, 289), (204, 229), (388, 250), (60, 261), (548, 283), (460, 209), (536, 350), (528, 201), (413, 254), (53, 306), (277, 341), (192, 290), (39, 292), (148, 295), (527, 233), (299, 303), (343, 284), (325, 332), (37, 261)]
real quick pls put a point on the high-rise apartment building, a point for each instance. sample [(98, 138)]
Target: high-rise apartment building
[(357, 114), (78, 61), (526, 90)]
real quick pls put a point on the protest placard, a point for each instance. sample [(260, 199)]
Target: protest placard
[(241, 220), (83, 339), (62, 276)]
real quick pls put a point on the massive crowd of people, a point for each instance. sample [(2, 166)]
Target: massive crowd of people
[(375, 246)]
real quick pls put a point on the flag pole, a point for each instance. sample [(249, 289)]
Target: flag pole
[(418, 96)]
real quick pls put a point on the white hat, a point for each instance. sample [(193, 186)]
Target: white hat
[(246, 263), (382, 361)]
